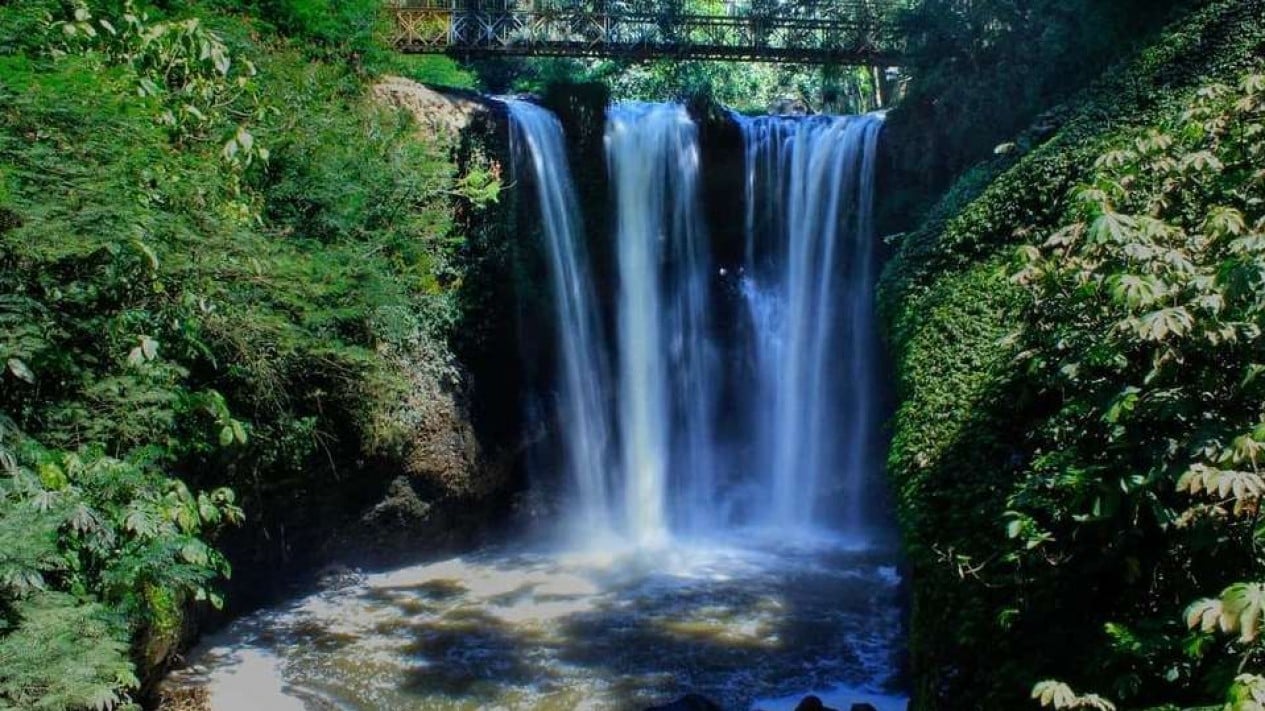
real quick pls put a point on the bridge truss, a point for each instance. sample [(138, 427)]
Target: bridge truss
[(856, 32)]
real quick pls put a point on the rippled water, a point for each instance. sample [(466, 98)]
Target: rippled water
[(751, 627)]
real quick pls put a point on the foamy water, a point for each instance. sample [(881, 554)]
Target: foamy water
[(753, 627)]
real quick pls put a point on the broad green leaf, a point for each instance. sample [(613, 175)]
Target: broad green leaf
[(1121, 405), (1137, 291), (21, 371), (1159, 325), (1113, 227), (239, 432), (1225, 222)]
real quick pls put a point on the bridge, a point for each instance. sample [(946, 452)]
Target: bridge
[(852, 32)]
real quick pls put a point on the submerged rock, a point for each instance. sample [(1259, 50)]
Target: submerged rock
[(338, 577), (689, 702), (401, 508)]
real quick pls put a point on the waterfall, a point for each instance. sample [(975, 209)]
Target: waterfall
[(681, 587), (640, 412), (539, 152), (808, 285), (666, 368)]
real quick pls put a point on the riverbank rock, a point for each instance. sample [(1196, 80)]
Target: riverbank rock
[(813, 703), (184, 690)]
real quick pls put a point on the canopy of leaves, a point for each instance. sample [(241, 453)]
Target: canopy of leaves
[(982, 70)]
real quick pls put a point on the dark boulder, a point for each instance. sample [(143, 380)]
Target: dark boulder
[(812, 703), (863, 707), (689, 702)]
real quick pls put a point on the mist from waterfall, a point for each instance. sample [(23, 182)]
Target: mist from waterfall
[(650, 454)]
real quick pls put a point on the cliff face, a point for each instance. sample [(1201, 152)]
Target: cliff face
[(437, 462), (977, 432)]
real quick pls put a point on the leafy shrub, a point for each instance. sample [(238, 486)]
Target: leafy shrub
[(1145, 327), (980, 72), (192, 298), (93, 548), (335, 26), (991, 619)]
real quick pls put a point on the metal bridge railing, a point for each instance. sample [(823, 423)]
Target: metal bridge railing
[(849, 31)]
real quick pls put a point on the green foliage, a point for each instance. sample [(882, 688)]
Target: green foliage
[(758, 88), (221, 265), (88, 542), (65, 654), (982, 71), (324, 29), (1144, 327), (1057, 695), (434, 70), (1034, 409), (349, 24)]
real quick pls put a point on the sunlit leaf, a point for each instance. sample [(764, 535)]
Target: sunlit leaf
[(20, 370), (1112, 227)]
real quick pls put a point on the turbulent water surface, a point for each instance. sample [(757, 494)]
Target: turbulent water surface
[(750, 626)]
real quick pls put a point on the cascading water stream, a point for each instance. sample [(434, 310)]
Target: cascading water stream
[(666, 369), (537, 144), (808, 284), (642, 447)]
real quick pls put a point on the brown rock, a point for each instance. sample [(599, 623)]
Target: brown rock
[(450, 112)]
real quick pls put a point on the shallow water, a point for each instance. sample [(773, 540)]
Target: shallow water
[(756, 626)]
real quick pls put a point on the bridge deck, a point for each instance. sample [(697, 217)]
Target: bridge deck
[(862, 32)]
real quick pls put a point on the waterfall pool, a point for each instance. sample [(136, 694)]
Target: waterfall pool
[(751, 627), (753, 619)]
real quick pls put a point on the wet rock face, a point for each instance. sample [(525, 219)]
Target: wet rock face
[(402, 508), (440, 446)]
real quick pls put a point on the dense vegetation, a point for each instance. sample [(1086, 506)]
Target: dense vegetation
[(1093, 399), (759, 88), (222, 268), (984, 70)]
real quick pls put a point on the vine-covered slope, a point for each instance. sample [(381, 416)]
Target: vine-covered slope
[(1061, 416)]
